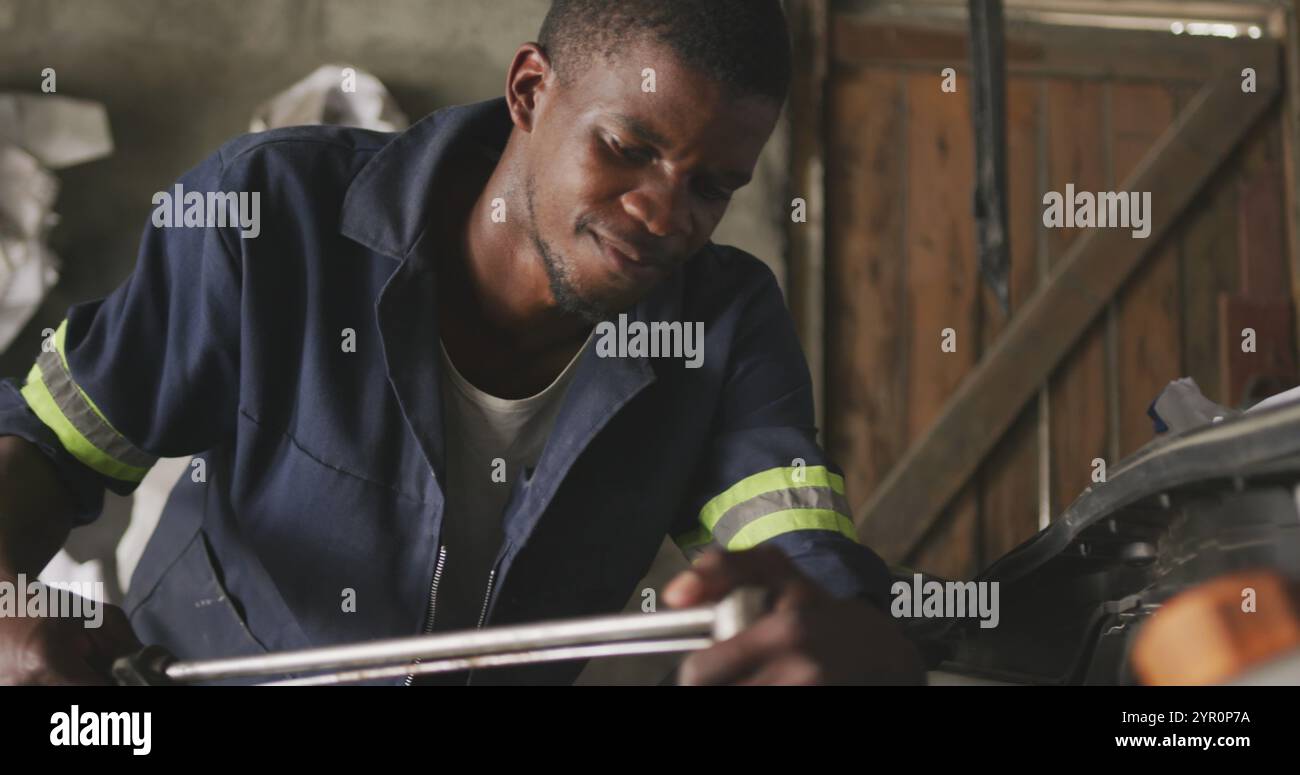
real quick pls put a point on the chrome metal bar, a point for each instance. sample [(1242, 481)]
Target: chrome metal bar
[(535, 656), (715, 622)]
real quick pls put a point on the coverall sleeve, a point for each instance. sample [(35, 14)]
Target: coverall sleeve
[(764, 478), (150, 371)]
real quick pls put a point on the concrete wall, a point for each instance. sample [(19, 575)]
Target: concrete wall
[(179, 77)]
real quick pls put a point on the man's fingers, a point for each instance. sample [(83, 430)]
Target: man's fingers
[(67, 662), (789, 670), (737, 658), (717, 573), (766, 651), (112, 639), (69, 671)]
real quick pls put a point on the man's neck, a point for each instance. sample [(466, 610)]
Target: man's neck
[(496, 315), (503, 275)]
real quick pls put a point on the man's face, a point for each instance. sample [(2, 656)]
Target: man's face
[(623, 185)]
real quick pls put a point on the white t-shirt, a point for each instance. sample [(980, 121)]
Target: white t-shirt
[(480, 430)]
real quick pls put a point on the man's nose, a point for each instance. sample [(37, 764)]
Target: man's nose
[(663, 207)]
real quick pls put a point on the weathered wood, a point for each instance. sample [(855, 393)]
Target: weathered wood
[(1270, 368), (1209, 268), (1208, 236), (865, 385), (1291, 152), (942, 279), (1009, 475), (1149, 346), (1261, 235), (861, 42), (858, 42), (1077, 388), (942, 289), (950, 549), (938, 466), (1262, 301), (806, 268)]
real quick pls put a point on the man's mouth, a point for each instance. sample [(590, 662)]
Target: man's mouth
[(628, 262)]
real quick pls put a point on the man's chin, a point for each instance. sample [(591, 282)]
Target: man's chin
[(591, 310), (623, 300)]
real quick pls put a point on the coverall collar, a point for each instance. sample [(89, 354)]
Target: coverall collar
[(386, 209), (387, 206)]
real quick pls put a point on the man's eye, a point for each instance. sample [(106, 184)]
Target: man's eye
[(631, 154), (715, 193)]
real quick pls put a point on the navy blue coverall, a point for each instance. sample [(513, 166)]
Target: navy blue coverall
[(323, 465)]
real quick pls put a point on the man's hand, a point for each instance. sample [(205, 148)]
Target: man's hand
[(807, 638), (35, 511), (53, 650)]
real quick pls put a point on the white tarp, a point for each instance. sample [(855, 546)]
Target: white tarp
[(333, 94), (38, 133)]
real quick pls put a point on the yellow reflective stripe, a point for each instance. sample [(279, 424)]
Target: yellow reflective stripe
[(42, 403), (768, 481), (693, 538), (58, 346), (779, 522)]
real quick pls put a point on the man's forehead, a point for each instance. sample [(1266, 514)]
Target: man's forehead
[(729, 158), (677, 108), (649, 82)]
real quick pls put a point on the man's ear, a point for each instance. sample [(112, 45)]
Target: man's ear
[(529, 76)]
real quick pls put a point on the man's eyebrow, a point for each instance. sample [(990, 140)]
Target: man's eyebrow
[(735, 179), (638, 127), (732, 178)]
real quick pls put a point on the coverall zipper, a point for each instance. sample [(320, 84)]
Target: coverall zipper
[(482, 614), (433, 600)]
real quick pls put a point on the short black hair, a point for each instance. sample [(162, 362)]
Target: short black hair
[(743, 44)]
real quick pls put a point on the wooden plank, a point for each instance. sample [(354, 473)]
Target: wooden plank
[(1209, 267), (865, 254), (950, 549), (942, 281), (1261, 238), (1077, 389), (863, 43), (936, 468), (941, 292), (1148, 307), (1009, 475), (1291, 153), (1262, 265), (1046, 52), (1249, 376), (806, 269), (1262, 301)]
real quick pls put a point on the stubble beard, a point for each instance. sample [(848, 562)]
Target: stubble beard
[(559, 274)]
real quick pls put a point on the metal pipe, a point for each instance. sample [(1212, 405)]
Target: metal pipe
[(704, 625), (535, 656)]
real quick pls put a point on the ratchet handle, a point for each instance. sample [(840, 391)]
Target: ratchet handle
[(737, 611), (740, 609), (146, 667)]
